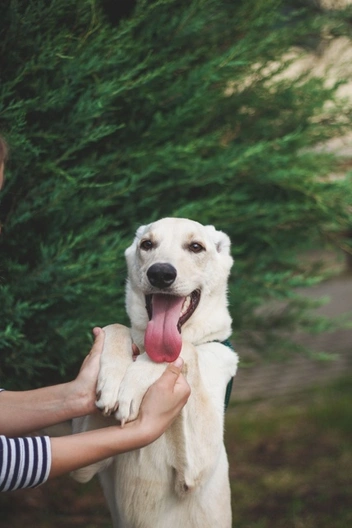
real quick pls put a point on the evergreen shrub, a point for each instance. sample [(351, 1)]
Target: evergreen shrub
[(163, 108)]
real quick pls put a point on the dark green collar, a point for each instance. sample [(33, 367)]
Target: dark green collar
[(229, 385)]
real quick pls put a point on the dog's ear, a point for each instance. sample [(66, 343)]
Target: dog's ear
[(140, 232), (132, 248), (221, 240)]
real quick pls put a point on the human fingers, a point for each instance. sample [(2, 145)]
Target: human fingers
[(97, 347), (135, 351), (164, 399), (99, 336), (84, 385), (173, 379), (93, 356), (173, 370)]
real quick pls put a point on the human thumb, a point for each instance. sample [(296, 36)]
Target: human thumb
[(174, 368), (178, 362), (99, 336), (178, 379), (96, 331)]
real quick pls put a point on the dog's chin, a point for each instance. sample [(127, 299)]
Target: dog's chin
[(189, 306)]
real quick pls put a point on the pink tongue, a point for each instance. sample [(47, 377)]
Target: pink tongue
[(162, 339)]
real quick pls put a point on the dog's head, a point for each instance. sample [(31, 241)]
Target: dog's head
[(177, 285)]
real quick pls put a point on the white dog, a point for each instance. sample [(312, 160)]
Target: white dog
[(177, 303)]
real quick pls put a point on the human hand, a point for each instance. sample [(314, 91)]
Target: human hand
[(83, 387), (164, 400)]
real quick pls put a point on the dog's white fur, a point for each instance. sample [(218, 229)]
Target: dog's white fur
[(181, 480)]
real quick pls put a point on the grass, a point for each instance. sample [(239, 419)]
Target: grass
[(291, 461)]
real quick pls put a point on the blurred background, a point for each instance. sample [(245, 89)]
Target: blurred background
[(236, 114)]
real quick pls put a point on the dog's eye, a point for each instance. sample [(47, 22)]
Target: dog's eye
[(147, 245), (196, 248)]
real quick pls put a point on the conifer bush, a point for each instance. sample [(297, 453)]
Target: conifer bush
[(120, 114)]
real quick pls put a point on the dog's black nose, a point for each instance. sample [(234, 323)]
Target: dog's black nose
[(161, 275)]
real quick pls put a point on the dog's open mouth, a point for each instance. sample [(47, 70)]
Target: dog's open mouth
[(167, 314)]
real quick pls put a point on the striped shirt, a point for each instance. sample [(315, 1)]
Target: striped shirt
[(24, 462)]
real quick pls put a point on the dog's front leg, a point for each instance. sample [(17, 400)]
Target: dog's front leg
[(196, 439), (81, 425), (115, 360), (139, 376)]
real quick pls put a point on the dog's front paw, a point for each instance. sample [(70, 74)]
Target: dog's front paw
[(107, 393), (138, 378), (115, 359), (128, 405)]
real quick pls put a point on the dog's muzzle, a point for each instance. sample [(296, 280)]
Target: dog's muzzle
[(167, 313)]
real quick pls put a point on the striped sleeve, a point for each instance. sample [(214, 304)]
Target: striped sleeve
[(24, 462)]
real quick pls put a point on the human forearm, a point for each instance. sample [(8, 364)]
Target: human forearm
[(27, 411), (76, 451), (29, 461)]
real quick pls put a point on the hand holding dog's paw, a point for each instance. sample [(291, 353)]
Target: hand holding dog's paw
[(139, 377), (128, 405), (165, 398), (113, 367)]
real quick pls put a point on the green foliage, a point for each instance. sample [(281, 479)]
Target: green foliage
[(179, 109)]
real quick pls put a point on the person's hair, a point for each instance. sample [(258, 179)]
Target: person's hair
[(3, 150)]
